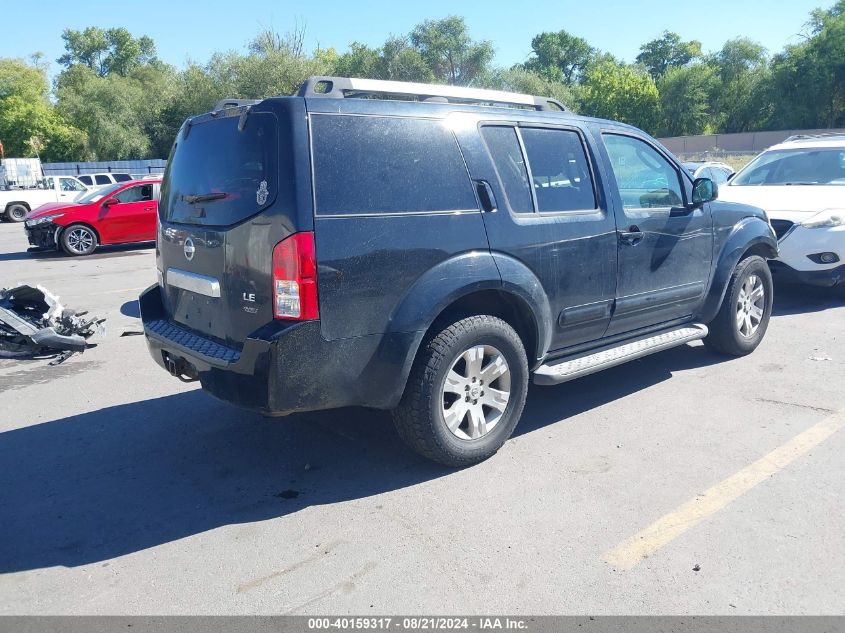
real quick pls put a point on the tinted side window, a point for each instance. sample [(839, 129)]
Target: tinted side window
[(136, 194), (121, 177), (504, 149), (645, 178), (69, 184), (87, 180), (365, 164), (102, 180), (559, 170)]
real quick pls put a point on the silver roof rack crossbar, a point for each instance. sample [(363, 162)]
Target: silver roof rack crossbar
[(346, 87)]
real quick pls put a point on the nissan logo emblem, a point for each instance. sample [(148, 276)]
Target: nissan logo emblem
[(190, 249)]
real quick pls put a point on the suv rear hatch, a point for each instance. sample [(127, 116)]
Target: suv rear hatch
[(237, 183)]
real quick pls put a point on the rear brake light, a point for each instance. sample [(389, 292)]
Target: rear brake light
[(295, 278)]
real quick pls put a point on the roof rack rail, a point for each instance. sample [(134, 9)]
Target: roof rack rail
[(233, 103), (821, 135), (349, 87)]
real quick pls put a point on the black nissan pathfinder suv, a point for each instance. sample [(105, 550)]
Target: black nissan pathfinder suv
[(429, 249)]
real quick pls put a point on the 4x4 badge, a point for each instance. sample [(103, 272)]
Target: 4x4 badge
[(190, 249), (262, 193)]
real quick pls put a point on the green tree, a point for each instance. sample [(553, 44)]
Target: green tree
[(359, 61), (808, 79), (106, 51), (666, 52), (743, 99), (396, 60), (518, 79), (621, 92), (560, 56), (686, 95), (29, 124), (450, 53), (112, 110)]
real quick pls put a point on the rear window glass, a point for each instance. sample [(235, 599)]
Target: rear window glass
[(365, 164), (219, 175)]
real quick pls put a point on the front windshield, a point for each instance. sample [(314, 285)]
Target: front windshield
[(99, 194), (807, 166)]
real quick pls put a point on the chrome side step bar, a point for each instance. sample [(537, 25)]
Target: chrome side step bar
[(612, 356)]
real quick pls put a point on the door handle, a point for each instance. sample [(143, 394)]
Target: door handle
[(632, 236), (148, 208), (485, 196)]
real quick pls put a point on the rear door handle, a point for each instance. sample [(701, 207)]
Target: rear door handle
[(485, 196), (632, 236)]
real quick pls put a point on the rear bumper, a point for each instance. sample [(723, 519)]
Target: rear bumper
[(827, 277), (283, 367)]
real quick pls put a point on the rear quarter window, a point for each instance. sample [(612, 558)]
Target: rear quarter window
[(377, 165)]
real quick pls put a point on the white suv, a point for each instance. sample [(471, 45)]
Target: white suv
[(801, 186), (104, 179)]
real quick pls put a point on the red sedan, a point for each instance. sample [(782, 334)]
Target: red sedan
[(116, 214)]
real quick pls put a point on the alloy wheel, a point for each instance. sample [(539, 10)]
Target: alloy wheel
[(750, 306), (80, 240), (476, 392)]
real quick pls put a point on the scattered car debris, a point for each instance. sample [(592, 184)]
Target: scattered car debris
[(697, 567), (34, 324), (820, 358)]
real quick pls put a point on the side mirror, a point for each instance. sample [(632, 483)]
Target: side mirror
[(703, 190), (110, 201)]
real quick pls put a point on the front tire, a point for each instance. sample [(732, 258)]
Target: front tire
[(465, 393), (78, 239), (16, 212), (744, 315)]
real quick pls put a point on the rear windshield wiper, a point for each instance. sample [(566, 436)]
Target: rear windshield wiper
[(203, 197)]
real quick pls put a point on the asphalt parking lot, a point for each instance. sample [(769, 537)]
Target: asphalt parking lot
[(681, 483)]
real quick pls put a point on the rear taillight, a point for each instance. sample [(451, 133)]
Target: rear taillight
[(295, 278)]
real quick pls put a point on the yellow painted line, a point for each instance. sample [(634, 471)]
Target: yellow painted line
[(670, 526)]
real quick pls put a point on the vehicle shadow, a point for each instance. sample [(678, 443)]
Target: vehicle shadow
[(131, 309), (800, 299), (102, 252), (564, 402), (94, 486)]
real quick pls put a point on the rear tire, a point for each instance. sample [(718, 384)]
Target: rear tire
[(744, 315), (78, 239), (16, 212), (465, 393)]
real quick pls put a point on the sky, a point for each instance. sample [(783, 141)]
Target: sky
[(191, 29)]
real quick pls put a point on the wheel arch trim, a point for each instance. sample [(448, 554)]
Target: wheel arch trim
[(750, 236)]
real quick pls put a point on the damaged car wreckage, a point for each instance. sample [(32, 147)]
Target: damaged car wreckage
[(34, 324)]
